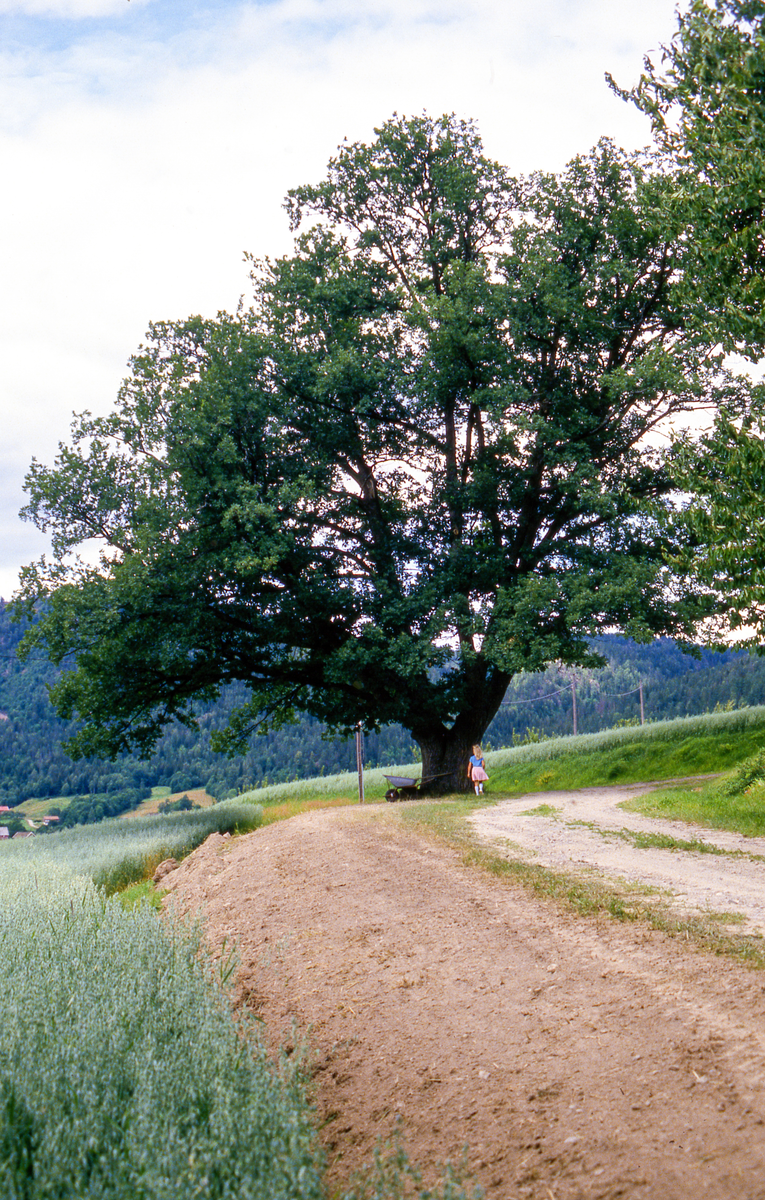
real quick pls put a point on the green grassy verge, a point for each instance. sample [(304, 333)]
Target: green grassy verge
[(142, 893), (587, 896), (638, 760), (642, 840), (293, 808), (706, 804)]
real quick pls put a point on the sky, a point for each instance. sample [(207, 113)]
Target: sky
[(148, 144)]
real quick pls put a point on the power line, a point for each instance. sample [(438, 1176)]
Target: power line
[(601, 695), (534, 699), (572, 688)]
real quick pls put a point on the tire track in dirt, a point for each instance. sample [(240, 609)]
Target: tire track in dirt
[(584, 834), (576, 1059)]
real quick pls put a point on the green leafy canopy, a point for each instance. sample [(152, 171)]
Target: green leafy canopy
[(705, 96)]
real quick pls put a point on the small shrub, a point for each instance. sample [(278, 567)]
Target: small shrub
[(745, 775), (391, 1176), (528, 738), (184, 804)]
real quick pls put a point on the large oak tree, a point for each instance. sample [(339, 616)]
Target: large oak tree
[(428, 455)]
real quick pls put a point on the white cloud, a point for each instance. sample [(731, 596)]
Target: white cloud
[(68, 9)]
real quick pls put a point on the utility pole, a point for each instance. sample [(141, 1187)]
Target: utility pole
[(642, 706), (573, 702), (360, 760)]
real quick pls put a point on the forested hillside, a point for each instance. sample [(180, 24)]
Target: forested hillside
[(675, 684), (32, 762)]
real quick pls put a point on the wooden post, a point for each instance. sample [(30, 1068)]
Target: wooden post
[(642, 705), (573, 702), (360, 760)]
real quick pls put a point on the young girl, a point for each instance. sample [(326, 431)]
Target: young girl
[(477, 770)]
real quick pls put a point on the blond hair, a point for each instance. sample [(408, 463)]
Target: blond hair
[(477, 751)]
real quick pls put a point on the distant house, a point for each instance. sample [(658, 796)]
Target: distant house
[(4, 832), (5, 808), (49, 819), (25, 834)]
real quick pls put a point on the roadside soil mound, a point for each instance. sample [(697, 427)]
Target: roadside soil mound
[(576, 1059)]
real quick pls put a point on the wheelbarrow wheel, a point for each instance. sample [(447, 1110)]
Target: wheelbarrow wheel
[(391, 794)]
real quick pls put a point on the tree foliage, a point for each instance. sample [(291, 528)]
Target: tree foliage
[(423, 460), (724, 475), (706, 100), (705, 97)]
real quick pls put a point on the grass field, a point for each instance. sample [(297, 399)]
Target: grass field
[(710, 804), (149, 807), (122, 1072), (116, 853), (636, 754), (40, 808)]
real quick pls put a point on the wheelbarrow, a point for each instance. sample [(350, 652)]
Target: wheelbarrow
[(402, 787)]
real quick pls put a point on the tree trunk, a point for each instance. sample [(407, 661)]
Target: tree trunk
[(446, 752), (445, 761)]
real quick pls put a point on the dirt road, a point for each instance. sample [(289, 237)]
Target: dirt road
[(587, 830), (576, 1059)]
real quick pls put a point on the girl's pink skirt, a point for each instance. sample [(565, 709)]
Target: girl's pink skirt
[(479, 775)]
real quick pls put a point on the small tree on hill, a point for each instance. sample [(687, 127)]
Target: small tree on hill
[(705, 96), (423, 460)]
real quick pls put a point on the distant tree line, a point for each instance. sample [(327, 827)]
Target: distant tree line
[(87, 810), (674, 685), (33, 763)]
